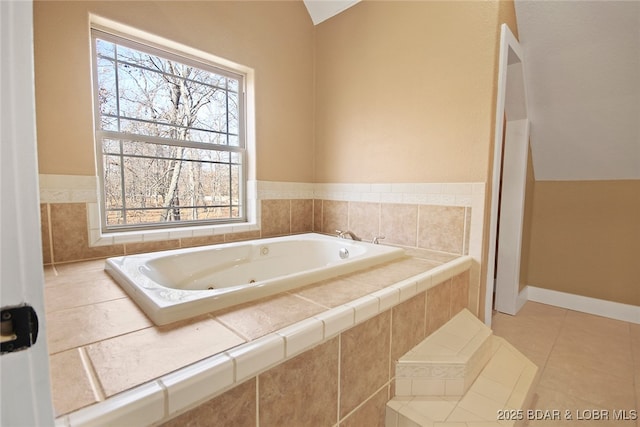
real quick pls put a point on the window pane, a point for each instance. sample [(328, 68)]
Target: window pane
[(232, 85), (109, 123), (143, 94), (218, 213), (112, 182), (233, 113), (139, 148), (105, 48), (143, 188), (107, 87), (207, 137), (110, 146), (221, 184), (235, 184), (148, 216), (146, 182), (115, 218)]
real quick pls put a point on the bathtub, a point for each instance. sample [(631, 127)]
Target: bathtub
[(179, 284)]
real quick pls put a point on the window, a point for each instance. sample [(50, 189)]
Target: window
[(170, 137)]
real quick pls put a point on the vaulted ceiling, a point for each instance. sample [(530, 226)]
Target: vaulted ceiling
[(582, 71), (321, 10)]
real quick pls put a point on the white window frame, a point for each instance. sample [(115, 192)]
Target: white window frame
[(99, 234)]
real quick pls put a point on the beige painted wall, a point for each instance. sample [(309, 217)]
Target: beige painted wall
[(274, 38), (387, 91), (405, 91), (585, 239)]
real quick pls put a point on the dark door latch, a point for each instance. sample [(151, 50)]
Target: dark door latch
[(18, 328)]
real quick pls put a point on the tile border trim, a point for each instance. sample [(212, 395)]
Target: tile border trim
[(79, 189)]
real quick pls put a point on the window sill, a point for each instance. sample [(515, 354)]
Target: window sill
[(98, 238)]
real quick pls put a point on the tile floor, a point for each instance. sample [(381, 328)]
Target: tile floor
[(589, 366)]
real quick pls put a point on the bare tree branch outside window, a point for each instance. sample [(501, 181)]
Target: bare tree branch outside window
[(169, 137)]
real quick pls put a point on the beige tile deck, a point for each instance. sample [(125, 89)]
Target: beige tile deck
[(258, 318), (78, 326), (101, 343), (128, 360), (71, 383)]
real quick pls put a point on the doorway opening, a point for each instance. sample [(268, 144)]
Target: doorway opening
[(511, 150)]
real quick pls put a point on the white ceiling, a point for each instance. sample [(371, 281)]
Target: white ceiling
[(582, 70), (321, 10)]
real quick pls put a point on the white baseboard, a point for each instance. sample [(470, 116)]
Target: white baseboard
[(598, 307)]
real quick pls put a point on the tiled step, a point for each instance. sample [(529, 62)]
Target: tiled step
[(448, 361), (498, 395)]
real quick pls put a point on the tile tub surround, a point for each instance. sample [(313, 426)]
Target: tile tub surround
[(438, 216), (65, 236), (150, 374)]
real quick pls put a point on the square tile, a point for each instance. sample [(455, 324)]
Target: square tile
[(364, 219), (259, 318), (371, 414), (71, 384), (441, 228), (399, 223), (302, 390), (275, 217), (82, 292), (78, 326), (364, 361), (335, 292), (127, 360)]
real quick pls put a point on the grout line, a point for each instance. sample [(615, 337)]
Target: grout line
[(562, 327), (379, 233), (339, 396), (386, 385), (234, 362), (425, 315), (258, 400), (297, 295), (290, 216), (165, 394), (465, 230), (50, 226), (390, 369), (233, 330), (635, 361), (94, 381)]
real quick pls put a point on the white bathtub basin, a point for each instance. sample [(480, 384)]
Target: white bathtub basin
[(183, 283)]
